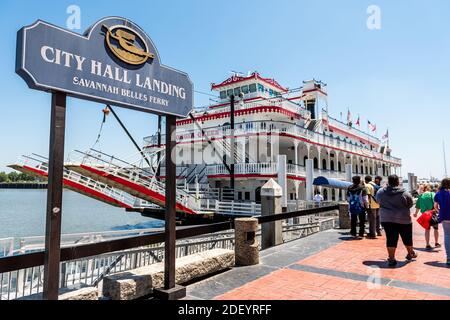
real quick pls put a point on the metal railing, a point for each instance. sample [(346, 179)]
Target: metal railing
[(91, 271), (87, 264), (23, 245)]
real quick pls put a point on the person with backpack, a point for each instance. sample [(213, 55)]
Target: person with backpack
[(395, 205), (425, 203), (442, 205), (358, 203), (373, 208)]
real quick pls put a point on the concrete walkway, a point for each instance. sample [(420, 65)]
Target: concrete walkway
[(332, 266)]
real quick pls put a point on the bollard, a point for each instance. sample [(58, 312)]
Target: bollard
[(271, 232), (246, 248), (344, 216)]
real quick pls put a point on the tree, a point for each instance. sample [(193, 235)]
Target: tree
[(3, 177), (13, 176)]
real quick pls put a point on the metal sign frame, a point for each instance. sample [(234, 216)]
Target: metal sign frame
[(32, 69), (56, 168)]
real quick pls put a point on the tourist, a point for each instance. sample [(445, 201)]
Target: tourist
[(373, 207), (425, 203), (358, 204), (420, 189), (442, 205), (395, 205), (318, 198), (377, 186)]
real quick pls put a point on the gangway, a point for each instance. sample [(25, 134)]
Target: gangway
[(77, 182), (132, 179)]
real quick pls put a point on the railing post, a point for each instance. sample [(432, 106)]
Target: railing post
[(271, 232)]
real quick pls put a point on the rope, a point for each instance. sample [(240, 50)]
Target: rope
[(105, 113)]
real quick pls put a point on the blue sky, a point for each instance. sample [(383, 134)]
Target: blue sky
[(398, 77)]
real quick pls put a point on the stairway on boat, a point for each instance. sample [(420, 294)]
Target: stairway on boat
[(141, 183), (77, 182)]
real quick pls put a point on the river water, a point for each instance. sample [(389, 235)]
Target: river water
[(22, 214)]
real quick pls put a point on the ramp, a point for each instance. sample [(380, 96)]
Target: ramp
[(78, 183)]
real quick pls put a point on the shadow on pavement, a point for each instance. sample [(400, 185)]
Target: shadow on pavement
[(384, 265), (437, 264), (427, 250)]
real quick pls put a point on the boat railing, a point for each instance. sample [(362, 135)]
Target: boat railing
[(272, 168), (275, 127)]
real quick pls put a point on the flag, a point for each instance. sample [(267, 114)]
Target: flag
[(349, 118), (386, 136), (372, 126), (358, 123)]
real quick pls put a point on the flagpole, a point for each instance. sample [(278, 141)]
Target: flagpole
[(368, 135), (445, 159)]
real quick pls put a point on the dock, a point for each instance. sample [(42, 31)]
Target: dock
[(332, 266)]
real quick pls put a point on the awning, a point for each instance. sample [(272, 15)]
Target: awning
[(331, 183)]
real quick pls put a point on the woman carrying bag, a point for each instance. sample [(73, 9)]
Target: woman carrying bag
[(425, 203)]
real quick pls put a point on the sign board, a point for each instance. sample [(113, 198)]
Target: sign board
[(114, 62)]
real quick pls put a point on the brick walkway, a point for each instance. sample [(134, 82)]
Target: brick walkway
[(331, 266)]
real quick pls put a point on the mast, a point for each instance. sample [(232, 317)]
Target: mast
[(445, 159)]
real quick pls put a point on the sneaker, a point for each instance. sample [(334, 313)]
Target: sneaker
[(437, 245), (428, 247), (411, 256), (371, 236), (392, 262)]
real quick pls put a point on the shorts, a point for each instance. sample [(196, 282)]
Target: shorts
[(394, 230)]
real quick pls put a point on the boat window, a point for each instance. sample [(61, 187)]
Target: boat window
[(229, 93), (260, 88), (271, 92), (223, 94), (252, 87), (237, 91), (244, 89)]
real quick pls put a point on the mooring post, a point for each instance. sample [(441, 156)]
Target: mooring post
[(54, 196), (171, 290), (271, 232), (246, 248)]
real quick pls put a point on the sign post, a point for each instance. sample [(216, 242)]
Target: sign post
[(171, 290), (114, 63), (54, 196)]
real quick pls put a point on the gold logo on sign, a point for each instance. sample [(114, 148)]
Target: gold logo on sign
[(127, 45)]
